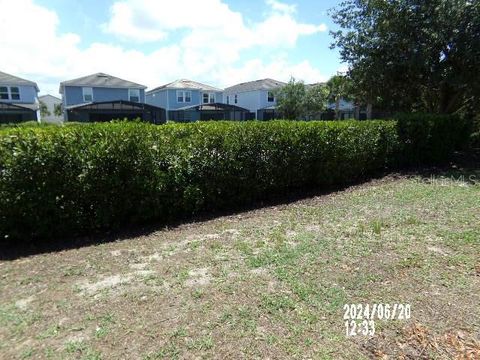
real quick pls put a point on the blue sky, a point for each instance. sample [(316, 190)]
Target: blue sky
[(221, 42)]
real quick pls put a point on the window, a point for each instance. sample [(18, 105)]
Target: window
[(208, 98), (3, 93), (134, 95), (15, 93), (236, 99), (270, 96), (228, 99), (184, 96), (87, 94)]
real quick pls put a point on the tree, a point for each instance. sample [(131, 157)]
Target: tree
[(57, 110), (412, 55), (339, 87), (297, 100), (291, 99), (315, 100), (44, 109)]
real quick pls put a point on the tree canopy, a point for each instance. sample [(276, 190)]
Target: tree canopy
[(339, 87), (44, 109), (58, 110), (297, 100), (412, 55)]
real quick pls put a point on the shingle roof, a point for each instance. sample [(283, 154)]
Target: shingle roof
[(48, 95), (7, 79), (316, 84), (186, 84), (101, 80), (263, 84)]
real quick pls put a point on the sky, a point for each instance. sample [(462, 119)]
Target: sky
[(154, 42)]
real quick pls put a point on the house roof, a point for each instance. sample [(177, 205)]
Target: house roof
[(10, 106), (7, 79), (213, 107), (263, 84), (113, 105), (185, 84), (101, 80), (48, 95), (316, 84)]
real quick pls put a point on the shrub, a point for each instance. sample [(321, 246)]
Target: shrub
[(428, 138), (65, 181), (475, 137)]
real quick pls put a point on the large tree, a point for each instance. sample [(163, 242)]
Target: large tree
[(412, 54), (315, 102), (291, 99), (296, 100)]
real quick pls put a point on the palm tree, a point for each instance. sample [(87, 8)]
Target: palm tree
[(339, 87)]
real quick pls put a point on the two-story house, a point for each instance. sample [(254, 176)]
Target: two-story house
[(187, 100), (18, 99), (257, 96), (103, 97)]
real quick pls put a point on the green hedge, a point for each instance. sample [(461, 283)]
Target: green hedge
[(475, 137), (428, 138), (65, 181)]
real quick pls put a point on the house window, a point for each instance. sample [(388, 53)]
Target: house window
[(236, 99), (3, 93), (270, 96), (228, 99), (87, 94), (208, 98), (15, 93), (134, 95), (184, 96)]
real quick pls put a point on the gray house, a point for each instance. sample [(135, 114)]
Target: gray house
[(18, 99), (51, 102), (187, 100), (103, 97), (257, 96)]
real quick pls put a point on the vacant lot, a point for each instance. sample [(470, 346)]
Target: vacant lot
[(268, 283)]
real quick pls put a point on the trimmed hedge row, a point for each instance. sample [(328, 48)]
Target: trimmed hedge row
[(65, 181)]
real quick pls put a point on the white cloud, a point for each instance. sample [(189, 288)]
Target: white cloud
[(282, 7), (206, 20), (151, 20), (210, 49)]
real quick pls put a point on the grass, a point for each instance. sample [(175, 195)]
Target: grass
[(264, 283)]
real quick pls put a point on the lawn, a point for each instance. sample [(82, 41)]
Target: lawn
[(266, 283)]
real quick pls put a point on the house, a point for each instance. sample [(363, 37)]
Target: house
[(103, 97), (187, 100), (52, 103), (346, 109), (18, 99), (257, 96)]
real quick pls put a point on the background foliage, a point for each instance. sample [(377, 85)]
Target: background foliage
[(412, 55)]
